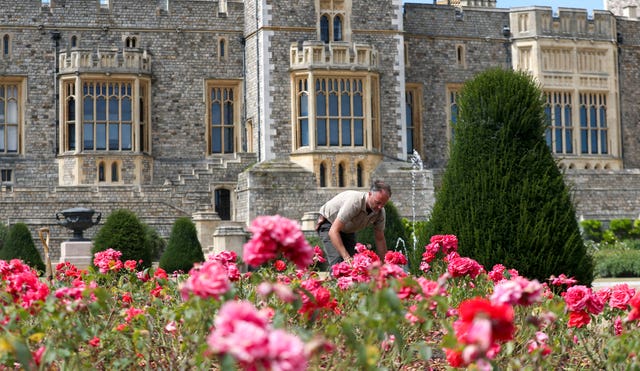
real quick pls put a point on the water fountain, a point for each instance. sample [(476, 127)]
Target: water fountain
[(416, 167)]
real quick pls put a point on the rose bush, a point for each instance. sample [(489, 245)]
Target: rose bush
[(283, 315)]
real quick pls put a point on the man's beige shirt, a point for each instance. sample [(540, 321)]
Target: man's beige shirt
[(350, 207)]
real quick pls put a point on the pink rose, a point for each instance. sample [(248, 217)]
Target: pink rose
[(576, 297), (207, 280), (620, 296)]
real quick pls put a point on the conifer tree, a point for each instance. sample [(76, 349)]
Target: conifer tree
[(123, 231), (19, 245), (183, 249), (502, 194)]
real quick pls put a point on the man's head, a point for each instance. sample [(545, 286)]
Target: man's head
[(378, 196)]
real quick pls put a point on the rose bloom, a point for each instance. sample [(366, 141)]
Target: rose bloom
[(286, 352), (207, 280), (280, 265), (497, 273), (454, 358), (95, 342), (318, 255), (604, 294), (578, 318), (595, 304), (500, 315), (576, 297), (634, 314), (108, 260), (225, 256), (395, 257), (620, 296), (461, 266), (127, 298), (274, 235), (517, 291), (617, 326), (132, 313), (241, 331), (130, 265), (562, 280), (430, 252), (448, 242), (26, 288)]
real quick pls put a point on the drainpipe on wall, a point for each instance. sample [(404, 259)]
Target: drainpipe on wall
[(244, 137), (55, 36), (258, 61)]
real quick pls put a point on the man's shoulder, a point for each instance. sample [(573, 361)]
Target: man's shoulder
[(352, 195)]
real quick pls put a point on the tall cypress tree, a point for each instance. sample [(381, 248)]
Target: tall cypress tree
[(502, 193)]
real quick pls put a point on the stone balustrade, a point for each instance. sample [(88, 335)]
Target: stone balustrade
[(113, 60), (316, 54)]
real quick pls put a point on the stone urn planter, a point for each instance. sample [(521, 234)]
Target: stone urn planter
[(78, 219)]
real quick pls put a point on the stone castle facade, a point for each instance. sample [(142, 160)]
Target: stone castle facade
[(226, 110)]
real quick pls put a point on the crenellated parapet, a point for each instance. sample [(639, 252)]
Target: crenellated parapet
[(316, 54), (112, 60), (539, 21)]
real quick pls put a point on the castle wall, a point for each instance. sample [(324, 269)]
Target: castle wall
[(629, 54), (432, 34)]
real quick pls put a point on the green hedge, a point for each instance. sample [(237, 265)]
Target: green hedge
[(617, 262)]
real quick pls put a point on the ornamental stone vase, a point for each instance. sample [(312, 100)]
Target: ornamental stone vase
[(78, 219)]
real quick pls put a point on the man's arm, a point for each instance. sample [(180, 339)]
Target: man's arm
[(381, 243), (336, 240)]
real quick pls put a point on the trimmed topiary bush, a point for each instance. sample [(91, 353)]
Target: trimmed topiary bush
[(502, 193), (4, 232), (19, 245), (183, 249), (156, 244), (124, 232)]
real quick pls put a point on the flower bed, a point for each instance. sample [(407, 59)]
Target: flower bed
[(283, 315)]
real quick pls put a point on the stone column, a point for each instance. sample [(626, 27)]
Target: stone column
[(206, 222)]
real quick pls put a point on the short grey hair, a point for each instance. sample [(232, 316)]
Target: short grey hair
[(379, 185)]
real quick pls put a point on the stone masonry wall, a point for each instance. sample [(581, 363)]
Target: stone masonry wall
[(432, 34)]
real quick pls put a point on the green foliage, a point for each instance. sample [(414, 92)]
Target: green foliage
[(124, 232), (621, 228), (156, 244), (4, 232), (394, 231), (183, 249), (502, 193), (314, 240), (418, 237), (617, 262), (19, 245), (592, 229)]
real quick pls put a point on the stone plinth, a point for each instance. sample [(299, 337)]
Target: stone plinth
[(230, 238), (308, 221), (77, 253), (206, 223)]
